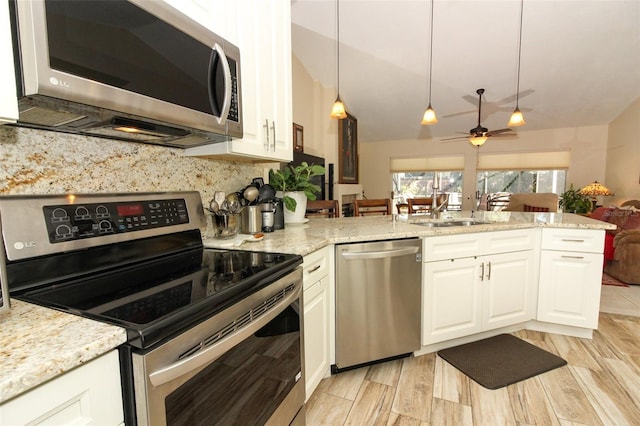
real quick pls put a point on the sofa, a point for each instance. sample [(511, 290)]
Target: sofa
[(622, 245), (533, 202)]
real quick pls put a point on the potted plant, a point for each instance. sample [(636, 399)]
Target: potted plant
[(572, 201), (296, 186)]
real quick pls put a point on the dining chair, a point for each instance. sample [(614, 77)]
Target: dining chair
[(419, 205), (371, 207), (323, 208), (423, 205)]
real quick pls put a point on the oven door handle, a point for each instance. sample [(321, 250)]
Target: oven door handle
[(211, 353)]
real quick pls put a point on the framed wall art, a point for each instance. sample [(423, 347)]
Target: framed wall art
[(348, 150), (298, 138)]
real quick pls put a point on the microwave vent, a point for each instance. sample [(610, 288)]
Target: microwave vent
[(48, 117)]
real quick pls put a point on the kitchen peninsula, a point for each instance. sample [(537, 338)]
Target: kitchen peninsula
[(315, 239)]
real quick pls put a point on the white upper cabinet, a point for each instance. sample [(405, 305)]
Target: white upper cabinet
[(264, 39), (8, 97), (218, 16)]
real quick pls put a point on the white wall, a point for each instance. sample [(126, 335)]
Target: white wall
[(623, 156)]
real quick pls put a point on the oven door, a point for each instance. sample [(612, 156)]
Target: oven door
[(242, 366)]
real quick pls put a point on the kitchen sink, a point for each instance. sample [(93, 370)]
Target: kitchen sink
[(450, 224)]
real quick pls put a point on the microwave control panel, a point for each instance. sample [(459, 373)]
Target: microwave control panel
[(71, 222)]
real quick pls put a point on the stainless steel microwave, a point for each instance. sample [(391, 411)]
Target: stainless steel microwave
[(133, 70)]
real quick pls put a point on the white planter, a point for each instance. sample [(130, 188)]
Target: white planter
[(301, 207)]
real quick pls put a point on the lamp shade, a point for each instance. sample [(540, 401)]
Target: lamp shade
[(338, 111), (429, 116), (478, 140), (595, 188)]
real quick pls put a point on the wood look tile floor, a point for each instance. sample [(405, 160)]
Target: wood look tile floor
[(599, 386)]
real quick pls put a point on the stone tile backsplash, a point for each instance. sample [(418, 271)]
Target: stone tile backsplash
[(43, 162)]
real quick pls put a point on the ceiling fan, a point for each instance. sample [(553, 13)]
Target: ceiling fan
[(479, 135)]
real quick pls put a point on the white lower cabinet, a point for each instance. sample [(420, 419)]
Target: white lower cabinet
[(470, 295), (316, 305), (467, 295), (570, 277), (87, 395)]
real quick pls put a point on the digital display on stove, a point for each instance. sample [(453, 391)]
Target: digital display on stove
[(125, 210)]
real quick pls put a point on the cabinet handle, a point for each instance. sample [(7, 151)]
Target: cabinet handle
[(266, 130), (489, 273), (572, 257), (273, 129), (482, 272), (315, 268), (568, 240)]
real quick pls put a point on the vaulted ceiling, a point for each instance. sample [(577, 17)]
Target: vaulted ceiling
[(580, 61)]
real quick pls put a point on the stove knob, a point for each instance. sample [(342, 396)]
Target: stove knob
[(105, 227), (63, 231), (102, 211), (82, 213), (59, 215)]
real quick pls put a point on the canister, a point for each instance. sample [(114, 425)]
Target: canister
[(251, 220)]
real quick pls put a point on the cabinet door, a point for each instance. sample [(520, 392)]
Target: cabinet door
[(8, 96), (264, 38), (451, 300), (87, 395), (316, 334), (508, 285), (569, 288)]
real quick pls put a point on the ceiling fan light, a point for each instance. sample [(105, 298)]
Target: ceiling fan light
[(478, 140), (338, 111), (429, 116), (517, 119)]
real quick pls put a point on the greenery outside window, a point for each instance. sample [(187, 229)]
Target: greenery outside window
[(419, 184)]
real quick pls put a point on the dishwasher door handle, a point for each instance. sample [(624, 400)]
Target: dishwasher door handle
[(379, 254)]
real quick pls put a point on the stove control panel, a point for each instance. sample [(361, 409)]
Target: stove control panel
[(70, 222)]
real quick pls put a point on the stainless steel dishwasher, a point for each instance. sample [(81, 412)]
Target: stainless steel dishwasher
[(378, 299)]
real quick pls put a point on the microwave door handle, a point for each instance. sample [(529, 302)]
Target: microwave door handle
[(226, 104)]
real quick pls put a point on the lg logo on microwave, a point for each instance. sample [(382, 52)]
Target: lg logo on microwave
[(23, 245), (55, 82)]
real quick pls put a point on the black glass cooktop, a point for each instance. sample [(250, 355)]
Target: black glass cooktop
[(159, 298)]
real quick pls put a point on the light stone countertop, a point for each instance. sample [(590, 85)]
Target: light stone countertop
[(38, 344), (306, 238)]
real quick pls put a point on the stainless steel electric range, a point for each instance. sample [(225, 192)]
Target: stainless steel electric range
[(214, 336)]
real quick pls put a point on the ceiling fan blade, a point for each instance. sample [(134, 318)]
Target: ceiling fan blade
[(456, 138), (502, 135), (493, 132)]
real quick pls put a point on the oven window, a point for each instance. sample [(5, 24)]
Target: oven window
[(248, 383)]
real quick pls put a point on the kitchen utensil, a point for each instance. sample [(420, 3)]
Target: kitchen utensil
[(225, 224), (251, 220), (214, 207), (266, 193), (251, 193), (219, 196), (258, 181)]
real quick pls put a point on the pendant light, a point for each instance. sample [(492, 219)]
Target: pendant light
[(338, 111), (516, 118), (429, 116)]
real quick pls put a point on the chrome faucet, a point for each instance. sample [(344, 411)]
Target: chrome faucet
[(435, 208)]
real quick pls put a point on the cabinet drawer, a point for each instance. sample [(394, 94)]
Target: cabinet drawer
[(580, 240), (452, 247), (509, 241), (315, 266)]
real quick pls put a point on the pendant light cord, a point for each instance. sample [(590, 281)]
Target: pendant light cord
[(338, 44), (431, 51), (519, 54)]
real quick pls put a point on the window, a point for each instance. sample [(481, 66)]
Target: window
[(521, 181), (420, 184)]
